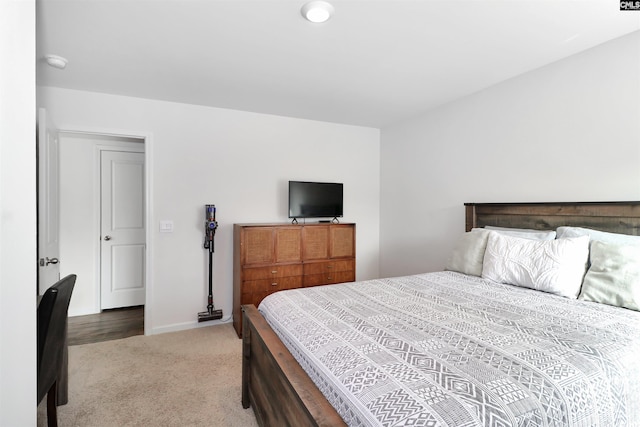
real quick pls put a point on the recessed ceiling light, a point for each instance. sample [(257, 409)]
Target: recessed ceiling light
[(317, 11), (56, 61)]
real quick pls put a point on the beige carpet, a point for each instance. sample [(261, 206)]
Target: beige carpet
[(189, 378)]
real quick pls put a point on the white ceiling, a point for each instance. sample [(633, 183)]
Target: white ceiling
[(373, 64)]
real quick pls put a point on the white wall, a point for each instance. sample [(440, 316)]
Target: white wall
[(241, 162), (17, 214), (569, 131)]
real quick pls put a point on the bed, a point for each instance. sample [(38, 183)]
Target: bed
[(451, 348)]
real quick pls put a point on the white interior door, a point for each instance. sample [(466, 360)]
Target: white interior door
[(122, 268), (48, 197)]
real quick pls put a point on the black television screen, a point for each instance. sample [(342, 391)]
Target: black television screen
[(315, 199)]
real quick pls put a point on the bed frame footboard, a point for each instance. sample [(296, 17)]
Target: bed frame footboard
[(273, 382)]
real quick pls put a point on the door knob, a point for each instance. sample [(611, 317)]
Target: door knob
[(52, 261), (107, 238)]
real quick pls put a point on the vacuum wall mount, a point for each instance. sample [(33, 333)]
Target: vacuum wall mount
[(210, 226)]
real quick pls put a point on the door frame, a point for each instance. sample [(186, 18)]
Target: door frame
[(147, 140)]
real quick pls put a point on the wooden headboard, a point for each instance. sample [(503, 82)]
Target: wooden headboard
[(615, 217)]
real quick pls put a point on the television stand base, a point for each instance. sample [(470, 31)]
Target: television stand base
[(335, 220)]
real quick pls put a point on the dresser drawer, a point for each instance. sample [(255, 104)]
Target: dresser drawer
[(253, 298), (329, 278), (258, 273), (328, 267), (267, 285), (254, 291)]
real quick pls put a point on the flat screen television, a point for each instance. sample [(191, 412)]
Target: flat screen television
[(315, 199)]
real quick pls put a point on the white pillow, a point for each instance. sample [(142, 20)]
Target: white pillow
[(555, 266), (524, 233), (614, 275), (468, 253), (601, 236)]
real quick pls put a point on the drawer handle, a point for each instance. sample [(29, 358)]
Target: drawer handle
[(274, 271), (329, 266), (274, 284)]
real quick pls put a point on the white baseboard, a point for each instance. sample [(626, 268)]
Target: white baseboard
[(83, 312), (187, 325)]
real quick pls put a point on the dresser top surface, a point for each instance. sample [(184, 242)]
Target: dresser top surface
[(288, 224)]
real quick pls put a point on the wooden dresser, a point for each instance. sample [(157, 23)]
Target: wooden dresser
[(272, 257)]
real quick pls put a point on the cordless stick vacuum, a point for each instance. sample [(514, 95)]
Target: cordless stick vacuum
[(210, 226)]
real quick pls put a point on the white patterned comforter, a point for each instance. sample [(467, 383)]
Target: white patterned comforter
[(445, 349)]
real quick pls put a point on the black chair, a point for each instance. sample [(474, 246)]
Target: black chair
[(52, 326)]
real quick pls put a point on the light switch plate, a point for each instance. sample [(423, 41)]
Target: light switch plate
[(166, 226)]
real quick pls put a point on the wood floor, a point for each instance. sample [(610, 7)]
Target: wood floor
[(108, 325)]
